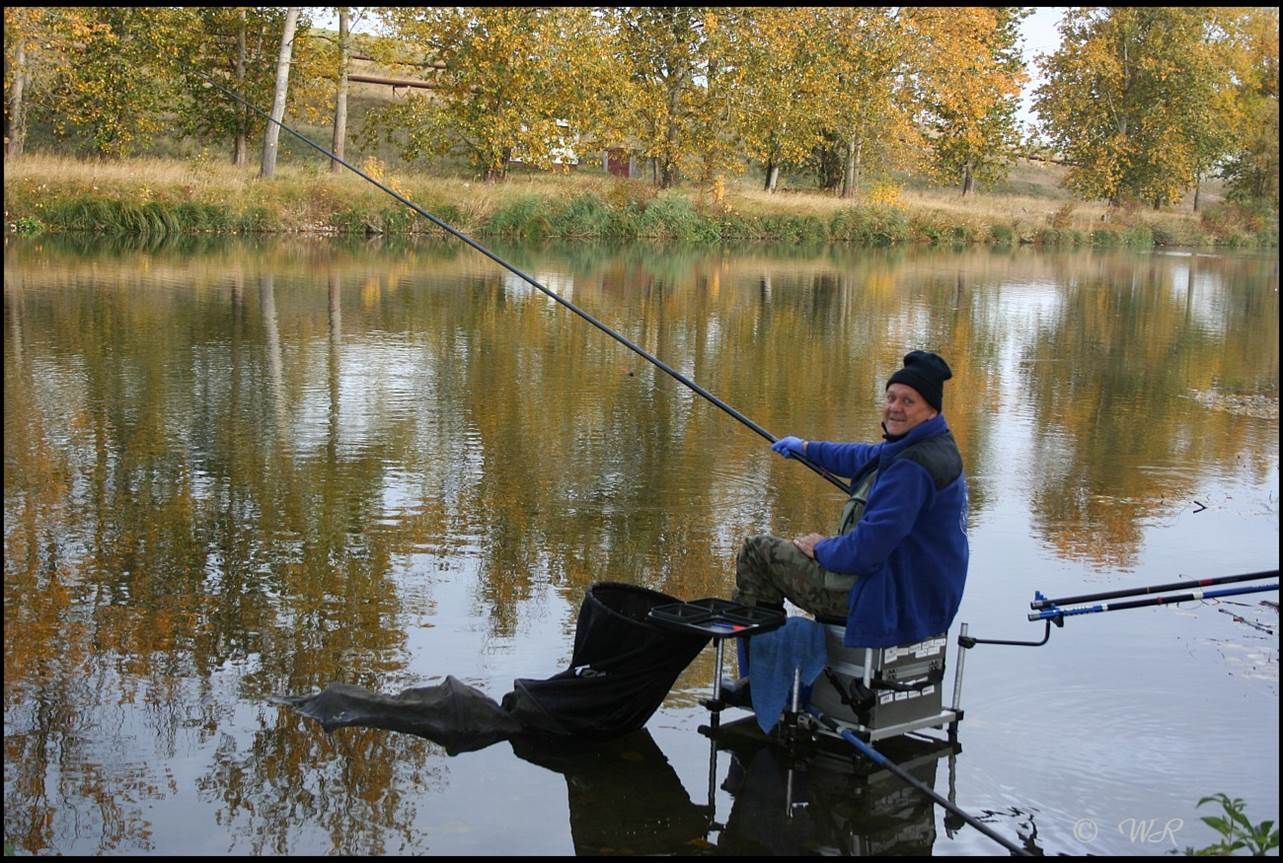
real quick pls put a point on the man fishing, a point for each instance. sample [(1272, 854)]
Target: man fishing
[(896, 568)]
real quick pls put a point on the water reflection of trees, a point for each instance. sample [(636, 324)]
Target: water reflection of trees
[(799, 350), (1110, 376), (357, 789), (159, 530), (241, 471)]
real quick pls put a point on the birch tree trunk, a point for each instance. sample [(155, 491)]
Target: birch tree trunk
[(16, 133), (240, 145), (772, 167), (282, 85), (340, 104), (772, 176), (851, 176)]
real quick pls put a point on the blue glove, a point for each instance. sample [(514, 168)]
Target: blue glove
[(789, 447)]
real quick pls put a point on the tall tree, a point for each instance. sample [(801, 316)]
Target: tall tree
[(869, 109), (1251, 168), (20, 26), (340, 97), (115, 84), (1215, 121), (786, 87), (273, 131), (235, 44), (722, 100), (969, 73), (518, 82), (662, 49), (1122, 98), (240, 140)]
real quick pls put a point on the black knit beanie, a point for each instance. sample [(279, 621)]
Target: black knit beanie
[(925, 372)]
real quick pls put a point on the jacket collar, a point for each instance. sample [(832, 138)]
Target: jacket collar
[(932, 427)]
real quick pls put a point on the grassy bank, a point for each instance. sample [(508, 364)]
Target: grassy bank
[(155, 197)]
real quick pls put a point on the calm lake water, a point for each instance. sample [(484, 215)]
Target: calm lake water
[(234, 470)]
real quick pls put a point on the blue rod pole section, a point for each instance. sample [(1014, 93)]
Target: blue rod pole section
[(1043, 602), (566, 303), (1054, 611), (882, 761)]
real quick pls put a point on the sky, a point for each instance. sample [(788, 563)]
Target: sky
[(1040, 37)]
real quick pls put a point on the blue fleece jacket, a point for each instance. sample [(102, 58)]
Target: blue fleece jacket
[(909, 549)]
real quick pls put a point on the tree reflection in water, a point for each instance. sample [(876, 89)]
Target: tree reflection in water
[(239, 469)]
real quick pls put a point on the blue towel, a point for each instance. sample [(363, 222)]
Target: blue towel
[(799, 643)]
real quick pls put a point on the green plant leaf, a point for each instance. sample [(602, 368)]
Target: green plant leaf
[(1220, 825), (1235, 811)]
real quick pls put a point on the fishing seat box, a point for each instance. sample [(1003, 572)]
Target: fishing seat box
[(897, 689)]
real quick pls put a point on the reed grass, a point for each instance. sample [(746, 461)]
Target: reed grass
[(160, 197)]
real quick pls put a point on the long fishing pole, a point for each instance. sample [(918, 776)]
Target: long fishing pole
[(882, 761), (566, 303), (1043, 602), (1057, 612)]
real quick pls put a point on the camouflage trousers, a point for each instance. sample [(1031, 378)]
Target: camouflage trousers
[(768, 569)]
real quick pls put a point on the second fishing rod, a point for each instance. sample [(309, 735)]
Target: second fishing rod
[(624, 340)]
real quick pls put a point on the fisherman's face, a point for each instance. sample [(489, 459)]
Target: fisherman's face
[(904, 409)]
